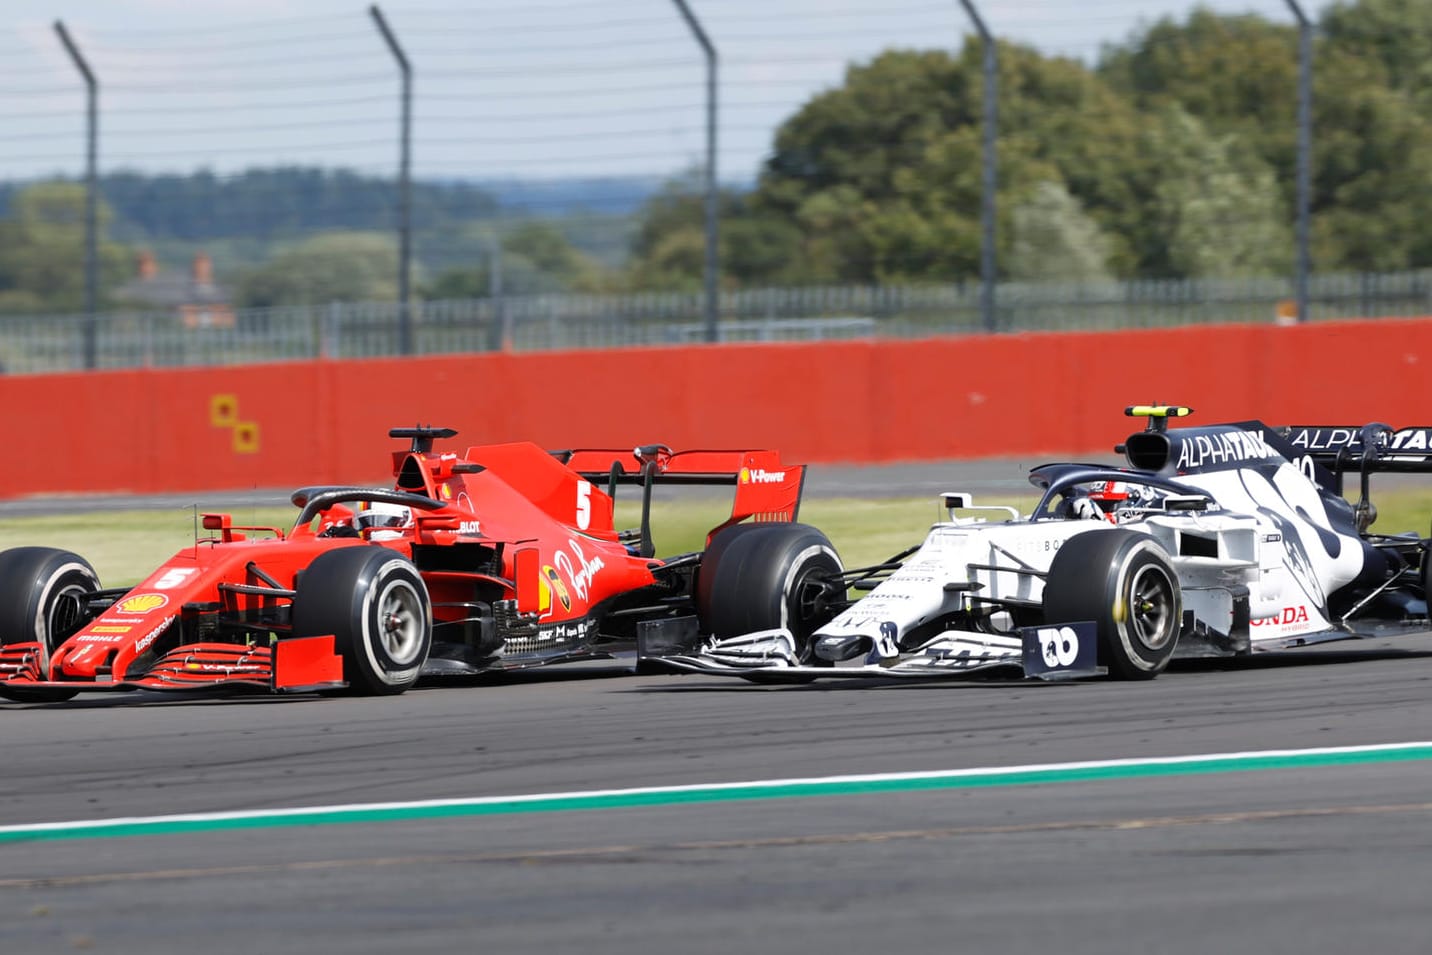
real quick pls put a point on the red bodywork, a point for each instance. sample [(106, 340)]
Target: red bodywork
[(516, 546)]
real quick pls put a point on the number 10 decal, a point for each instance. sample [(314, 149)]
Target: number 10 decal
[(584, 505)]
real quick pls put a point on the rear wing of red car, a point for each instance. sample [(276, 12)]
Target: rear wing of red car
[(577, 486), (767, 490)]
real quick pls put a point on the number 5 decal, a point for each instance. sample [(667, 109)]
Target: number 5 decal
[(584, 505)]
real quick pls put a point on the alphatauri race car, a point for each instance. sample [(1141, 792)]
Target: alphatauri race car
[(1215, 541), (501, 557)]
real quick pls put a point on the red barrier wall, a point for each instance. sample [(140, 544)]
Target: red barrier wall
[(865, 401)]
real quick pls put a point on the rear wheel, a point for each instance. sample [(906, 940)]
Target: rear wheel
[(764, 576), (42, 600), (1123, 581), (376, 606)]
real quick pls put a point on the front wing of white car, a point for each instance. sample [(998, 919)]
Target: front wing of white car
[(1062, 652)]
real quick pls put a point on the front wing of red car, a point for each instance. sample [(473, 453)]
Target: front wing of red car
[(291, 665)]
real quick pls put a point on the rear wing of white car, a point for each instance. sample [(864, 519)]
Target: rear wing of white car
[(1370, 447), (1338, 448), (1327, 452)]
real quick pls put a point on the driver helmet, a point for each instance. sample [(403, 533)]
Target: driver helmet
[(1110, 494), (1103, 499), (383, 518)]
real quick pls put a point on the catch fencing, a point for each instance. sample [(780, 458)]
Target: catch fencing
[(40, 344)]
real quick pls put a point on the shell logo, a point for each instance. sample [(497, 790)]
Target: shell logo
[(559, 588), (142, 603), (745, 476), (447, 493)]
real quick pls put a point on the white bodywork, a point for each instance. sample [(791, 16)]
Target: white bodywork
[(1263, 535)]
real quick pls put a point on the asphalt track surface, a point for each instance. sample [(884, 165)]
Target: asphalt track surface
[(1328, 856)]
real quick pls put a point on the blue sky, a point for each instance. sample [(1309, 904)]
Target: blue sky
[(538, 89)]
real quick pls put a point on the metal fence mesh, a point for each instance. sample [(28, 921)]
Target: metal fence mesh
[(54, 343)]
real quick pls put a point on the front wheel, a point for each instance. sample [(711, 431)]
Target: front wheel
[(1123, 581), (766, 576), (376, 605), (42, 594)]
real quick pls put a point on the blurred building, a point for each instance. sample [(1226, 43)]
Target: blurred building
[(194, 297)]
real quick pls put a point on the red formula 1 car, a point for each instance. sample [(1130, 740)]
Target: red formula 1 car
[(504, 556)]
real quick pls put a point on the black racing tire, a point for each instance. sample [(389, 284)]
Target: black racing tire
[(40, 591), (763, 576), (721, 541), (1123, 581), (375, 604)]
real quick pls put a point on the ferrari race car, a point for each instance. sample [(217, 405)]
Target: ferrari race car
[(1214, 541), (502, 557)]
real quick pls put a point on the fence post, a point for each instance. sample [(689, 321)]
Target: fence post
[(1305, 149), (713, 266), (991, 132), (405, 191), (91, 192), (500, 335)]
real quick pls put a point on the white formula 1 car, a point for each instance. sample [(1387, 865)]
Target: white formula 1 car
[(1216, 541)]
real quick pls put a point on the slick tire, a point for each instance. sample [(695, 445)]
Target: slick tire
[(763, 576), (41, 594), (1123, 581), (377, 607)]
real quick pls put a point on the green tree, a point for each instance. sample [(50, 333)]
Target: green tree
[(42, 249), (1235, 74), (1217, 203), (1372, 161), (668, 250), (280, 202), (331, 267), (846, 172), (1372, 139), (536, 258), (1054, 239), (557, 263), (884, 175), (1395, 34), (1174, 157)]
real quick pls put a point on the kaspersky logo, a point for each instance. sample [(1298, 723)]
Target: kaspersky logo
[(141, 603), (761, 476)]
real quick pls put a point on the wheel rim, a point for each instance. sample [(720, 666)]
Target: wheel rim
[(1151, 607), (65, 614), (809, 593), (401, 623)]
